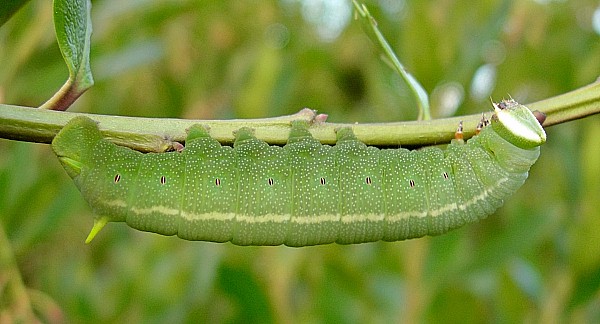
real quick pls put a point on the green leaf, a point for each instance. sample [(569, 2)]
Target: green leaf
[(370, 26), (8, 8), (73, 27)]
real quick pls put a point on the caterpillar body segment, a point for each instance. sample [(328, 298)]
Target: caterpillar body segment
[(303, 193)]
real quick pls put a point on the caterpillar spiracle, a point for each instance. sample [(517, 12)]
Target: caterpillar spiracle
[(303, 193)]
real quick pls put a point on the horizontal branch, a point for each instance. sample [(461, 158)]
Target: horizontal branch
[(158, 134)]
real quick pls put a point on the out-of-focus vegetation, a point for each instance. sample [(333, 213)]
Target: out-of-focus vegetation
[(536, 260)]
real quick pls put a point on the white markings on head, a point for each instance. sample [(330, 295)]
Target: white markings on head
[(519, 122)]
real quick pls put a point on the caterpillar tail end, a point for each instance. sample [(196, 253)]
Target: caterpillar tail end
[(98, 225)]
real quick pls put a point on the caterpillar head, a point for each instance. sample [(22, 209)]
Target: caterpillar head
[(517, 124)]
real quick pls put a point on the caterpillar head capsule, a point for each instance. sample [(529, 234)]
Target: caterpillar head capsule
[(517, 124)]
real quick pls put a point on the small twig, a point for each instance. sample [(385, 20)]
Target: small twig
[(158, 134)]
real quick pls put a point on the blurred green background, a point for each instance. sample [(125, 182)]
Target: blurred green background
[(536, 260)]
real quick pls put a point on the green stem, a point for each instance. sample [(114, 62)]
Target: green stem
[(64, 97), (572, 105), (371, 29), (157, 134)]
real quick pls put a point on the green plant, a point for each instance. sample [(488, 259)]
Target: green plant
[(537, 258)]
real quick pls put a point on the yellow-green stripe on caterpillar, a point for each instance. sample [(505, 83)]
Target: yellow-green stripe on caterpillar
[(303, 193)]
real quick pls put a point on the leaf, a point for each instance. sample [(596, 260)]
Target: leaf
[(8, 8), (73, 26), (370, 26)]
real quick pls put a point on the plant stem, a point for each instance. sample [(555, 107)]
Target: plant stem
[(158, 134), (371, 29), (64, 97), (572, 105)]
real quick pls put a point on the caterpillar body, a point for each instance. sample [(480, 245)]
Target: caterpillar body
[(303, 193)]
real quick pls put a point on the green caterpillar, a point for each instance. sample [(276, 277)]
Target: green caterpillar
[(303, 193)]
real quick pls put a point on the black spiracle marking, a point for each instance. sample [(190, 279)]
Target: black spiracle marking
[(368, 180), (117, 178), (445, 175), (163, 180), (271, 181), (411, 183), (217, 182), (322, 181)]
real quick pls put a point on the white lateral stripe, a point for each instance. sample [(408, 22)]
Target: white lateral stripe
[(225, 217), (115, 203), (268, 218), (155, 209), (307, 220), (348, 219)]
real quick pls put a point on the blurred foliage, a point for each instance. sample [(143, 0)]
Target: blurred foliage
[(8, 8), (536, 260)]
